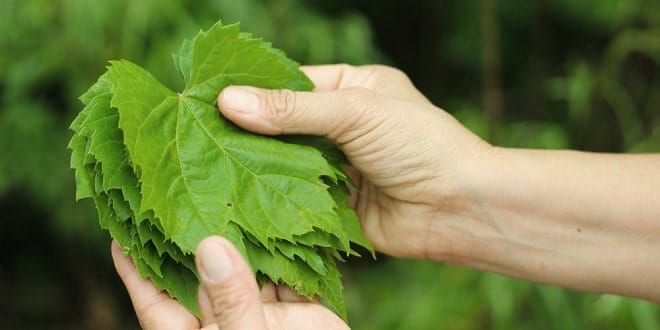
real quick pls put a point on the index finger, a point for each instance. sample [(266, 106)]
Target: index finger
[(382, 79), (327, 77), (154, 309)]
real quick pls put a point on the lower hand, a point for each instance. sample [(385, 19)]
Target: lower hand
[(229, 297)]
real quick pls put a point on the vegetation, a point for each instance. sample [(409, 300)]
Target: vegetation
[(138, 148), (559, 74)]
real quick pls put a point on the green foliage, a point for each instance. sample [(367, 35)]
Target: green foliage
[(576, 74), (449, 297), (165, 171)]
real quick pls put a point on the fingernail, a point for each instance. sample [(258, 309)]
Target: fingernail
[(240, 99), (214, 262)]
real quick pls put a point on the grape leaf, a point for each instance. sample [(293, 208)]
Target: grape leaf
[(166, 170)]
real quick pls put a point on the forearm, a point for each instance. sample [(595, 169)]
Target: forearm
[(582, 220)]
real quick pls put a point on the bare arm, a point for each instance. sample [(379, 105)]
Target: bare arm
[(582, 220)]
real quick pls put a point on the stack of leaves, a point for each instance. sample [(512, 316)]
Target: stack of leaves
[(166, 170)]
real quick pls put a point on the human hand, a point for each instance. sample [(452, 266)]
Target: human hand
[(429, 188), (413, 199), (229, 297)]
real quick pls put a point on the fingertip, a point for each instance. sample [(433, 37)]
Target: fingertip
[(269, 292), (114, 247), (213, 242), (327, 77), (229, 285), (117, 249), (244, 107), (213, 260), (287, 294), (241, 99), (122, 262)]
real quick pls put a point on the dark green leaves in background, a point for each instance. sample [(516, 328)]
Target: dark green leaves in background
[(575, 74)]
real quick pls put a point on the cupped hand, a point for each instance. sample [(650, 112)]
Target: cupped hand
[(413, 158), (229, 297)]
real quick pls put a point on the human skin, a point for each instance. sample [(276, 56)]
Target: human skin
[(428, 188), (228, 297), (431, 189)]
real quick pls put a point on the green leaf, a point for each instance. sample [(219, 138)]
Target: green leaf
[(223, 56), (165, 170)]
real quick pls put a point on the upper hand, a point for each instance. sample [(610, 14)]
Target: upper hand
[(412, 156), (229, 297)]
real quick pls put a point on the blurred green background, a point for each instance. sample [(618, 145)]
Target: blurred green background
[(544, 74)]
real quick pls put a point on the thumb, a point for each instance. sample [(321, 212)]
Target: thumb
[(273, 112), (229, 285)]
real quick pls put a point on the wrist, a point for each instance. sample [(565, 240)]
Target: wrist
[(481, 228), (462, 229), (493, 229)]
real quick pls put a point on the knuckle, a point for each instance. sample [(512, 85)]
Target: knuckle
[(230, 303), (360, 106), (358, 99), (281, 102)]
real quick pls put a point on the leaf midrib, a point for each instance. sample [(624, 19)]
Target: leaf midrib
[(241, 164)]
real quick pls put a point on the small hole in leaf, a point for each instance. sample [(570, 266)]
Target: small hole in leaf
[(229, 204)]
